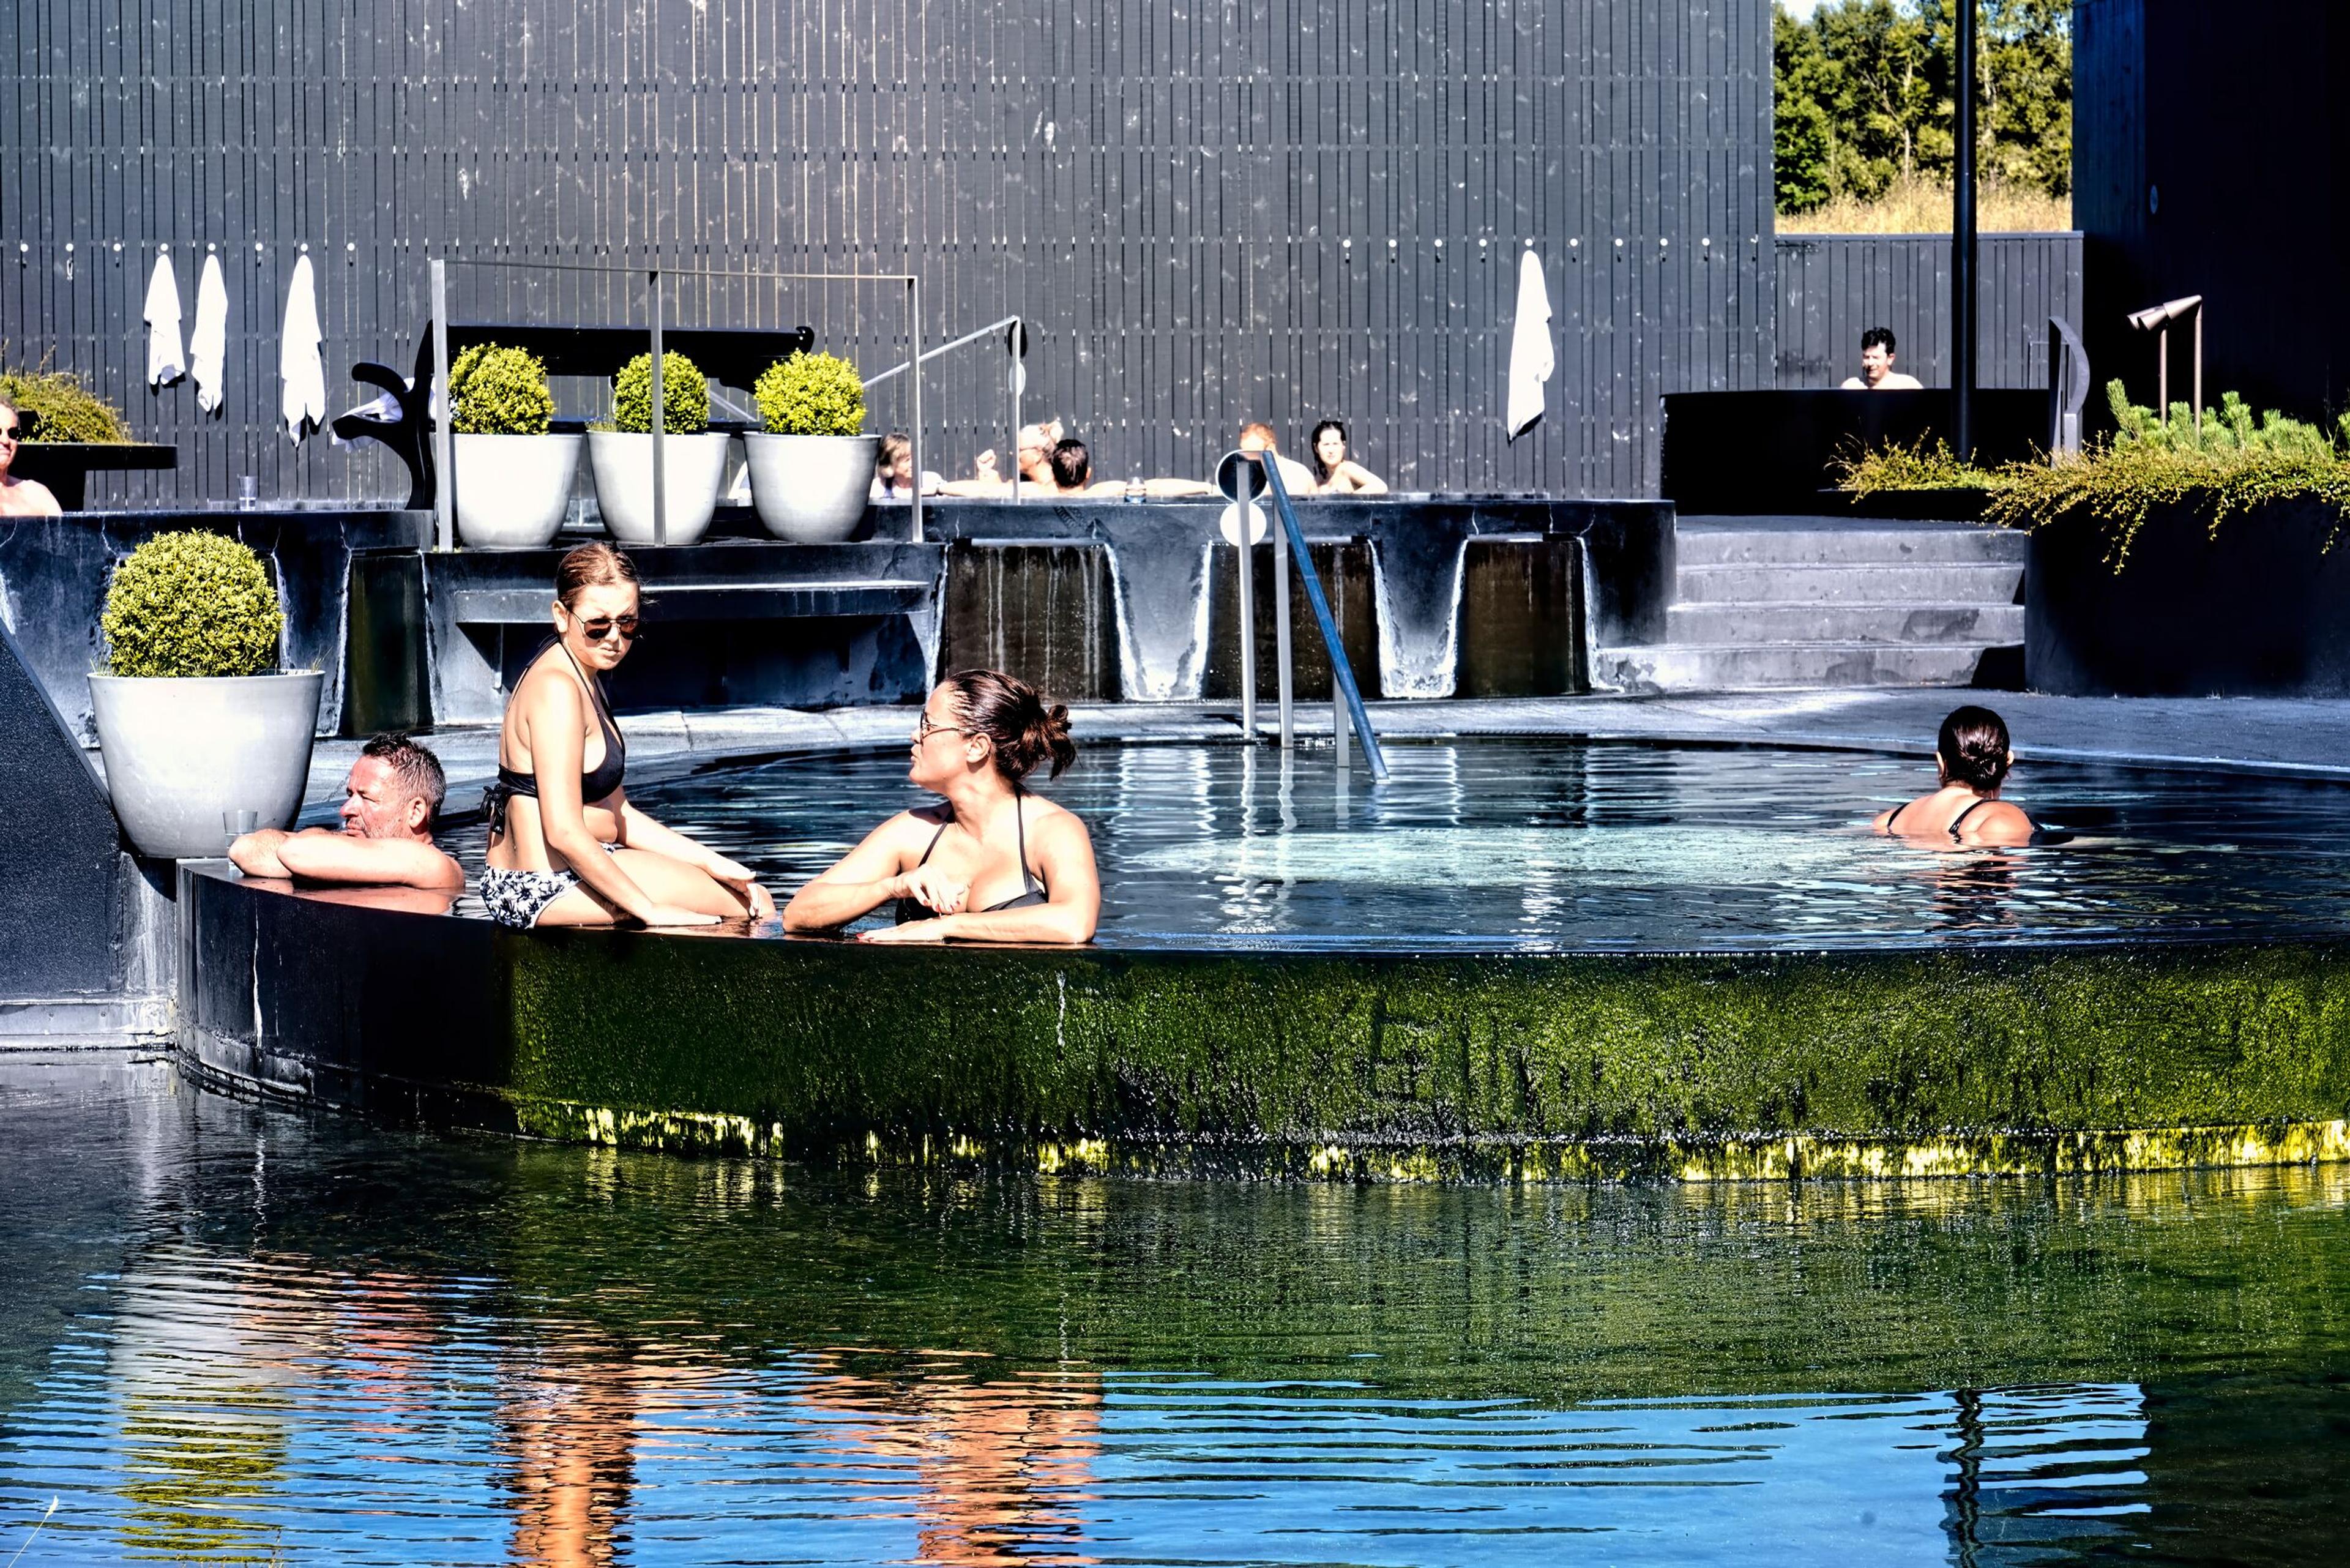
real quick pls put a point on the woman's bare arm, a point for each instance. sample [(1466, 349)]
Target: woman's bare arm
[(860, 882), (1065, 856)]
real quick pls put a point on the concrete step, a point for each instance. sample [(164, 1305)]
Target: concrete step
[(1729, 545), (1723, 624), (1987, 583), (1686, 668)]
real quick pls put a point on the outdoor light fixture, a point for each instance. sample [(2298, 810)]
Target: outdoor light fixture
[(2156, 319)]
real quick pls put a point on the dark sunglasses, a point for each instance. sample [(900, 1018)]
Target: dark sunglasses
[(10, 432), (602, 626)]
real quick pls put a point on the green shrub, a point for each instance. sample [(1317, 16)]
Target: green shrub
[(55, 406), (500, 391), (1916, 467), (2234, 463), (191, 604), (811, 394), (685, 396)]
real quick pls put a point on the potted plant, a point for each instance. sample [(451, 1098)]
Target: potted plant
[(693, 460), (812, 470), (513, 478), (191, 720)]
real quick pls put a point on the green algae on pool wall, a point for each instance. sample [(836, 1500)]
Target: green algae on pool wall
[(1362, 1065)]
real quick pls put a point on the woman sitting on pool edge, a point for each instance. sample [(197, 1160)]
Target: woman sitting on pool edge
[(1972, 755), (994, 863), (566, 847)]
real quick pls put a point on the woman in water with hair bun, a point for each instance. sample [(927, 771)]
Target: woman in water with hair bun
[(1972, 755), (992, 863)]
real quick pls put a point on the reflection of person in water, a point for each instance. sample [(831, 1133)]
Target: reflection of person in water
[(1003, 1464), (1972, 755)]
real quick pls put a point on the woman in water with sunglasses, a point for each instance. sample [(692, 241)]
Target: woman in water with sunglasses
[(566, 847), (991, 862)]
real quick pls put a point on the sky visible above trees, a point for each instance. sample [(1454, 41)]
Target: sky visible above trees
[(1865, 93)]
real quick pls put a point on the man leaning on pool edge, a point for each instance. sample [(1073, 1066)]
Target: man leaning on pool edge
[(390, 800)]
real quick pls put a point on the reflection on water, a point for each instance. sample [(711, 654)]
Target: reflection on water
[(235, 1336), (1555, 843)]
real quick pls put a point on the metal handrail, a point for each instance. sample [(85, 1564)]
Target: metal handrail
[(1347, 697)]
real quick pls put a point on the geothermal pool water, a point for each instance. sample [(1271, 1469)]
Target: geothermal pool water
[(1544, 844), (240, 1335)]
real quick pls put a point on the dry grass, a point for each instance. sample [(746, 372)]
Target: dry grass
[(1923, 207)]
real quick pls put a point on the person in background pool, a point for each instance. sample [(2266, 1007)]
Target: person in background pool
[(389, 799), (994, 863), (1335, 473), (1257, 436), (566, 847), (893, 470), (19, 497), (1973, 756)]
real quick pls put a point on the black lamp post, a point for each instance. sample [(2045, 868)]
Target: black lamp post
[(1962, 240)]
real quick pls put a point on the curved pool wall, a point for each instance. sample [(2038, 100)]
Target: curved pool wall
[(1282, 1061)]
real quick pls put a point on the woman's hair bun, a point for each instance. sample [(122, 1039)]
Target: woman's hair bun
[(1010, 712), (1973, 746)]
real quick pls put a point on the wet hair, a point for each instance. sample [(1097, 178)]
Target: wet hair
[(1073, 466), (1322, 472), (416, 768), (1264, 431), (1010, 712), (591, 566), (1878, 337), (1973, 747)]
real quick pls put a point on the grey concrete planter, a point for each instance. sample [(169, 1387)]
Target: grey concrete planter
[(811, 489), (179, 754), (2262, 609), (693, 466), (512, 489)]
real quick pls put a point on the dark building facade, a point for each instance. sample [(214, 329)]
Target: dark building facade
[(2211, 156), (1212, 212)]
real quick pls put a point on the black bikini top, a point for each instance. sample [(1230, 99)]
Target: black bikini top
[(1972, 806), (1033, 886), (594, 784)]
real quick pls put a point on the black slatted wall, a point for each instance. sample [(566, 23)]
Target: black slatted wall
[(1213, 211), (1834, 287)]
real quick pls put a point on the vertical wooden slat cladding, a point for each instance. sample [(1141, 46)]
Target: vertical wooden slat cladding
[(1193, 202), (1834, 287)]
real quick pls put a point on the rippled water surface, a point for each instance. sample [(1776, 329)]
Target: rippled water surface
[(1558, 843), (233, 1335)]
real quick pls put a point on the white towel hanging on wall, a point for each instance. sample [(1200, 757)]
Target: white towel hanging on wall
[(1531, 359), (208, 344), (166, 361), (304, 399)]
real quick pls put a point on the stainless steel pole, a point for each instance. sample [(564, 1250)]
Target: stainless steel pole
[(660, 417), (1962, 242), (1248, 620), (1012, 379), (1281, 626), (914, 332), (444, 470)]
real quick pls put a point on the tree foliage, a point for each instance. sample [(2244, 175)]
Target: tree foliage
[(1865, 89)]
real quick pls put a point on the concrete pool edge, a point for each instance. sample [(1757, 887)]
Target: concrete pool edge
[(1343, 1065)]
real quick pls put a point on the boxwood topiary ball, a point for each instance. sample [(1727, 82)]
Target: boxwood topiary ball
[(811, 394), (685, 396), (500, 391), (191, 604)]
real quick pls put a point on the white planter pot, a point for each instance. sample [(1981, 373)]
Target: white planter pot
[(512, 489), (179, 753), (693, 468), (811, 490)]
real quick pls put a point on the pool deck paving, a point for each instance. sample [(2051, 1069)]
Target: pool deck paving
[(2304, 738)]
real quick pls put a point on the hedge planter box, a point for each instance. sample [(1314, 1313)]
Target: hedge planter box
[(811, 489), (693, 468), (512, 489), (182, 752), (2260, 610)]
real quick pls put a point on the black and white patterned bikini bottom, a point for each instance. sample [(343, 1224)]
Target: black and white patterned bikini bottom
[(517, 899)]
